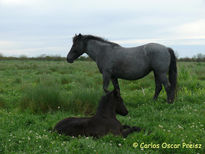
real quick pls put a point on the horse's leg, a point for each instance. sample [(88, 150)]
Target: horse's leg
[(125, 126), (165, 82), (115, 83), (158, 86), (127, 131), (106, 81)]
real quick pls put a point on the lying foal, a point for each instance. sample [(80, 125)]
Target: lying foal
[(102, 123)]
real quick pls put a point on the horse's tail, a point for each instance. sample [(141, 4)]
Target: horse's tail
[(172, 71)]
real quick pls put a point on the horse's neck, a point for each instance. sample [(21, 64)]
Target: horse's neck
[(94, 48), (106, 114), (106, 111)]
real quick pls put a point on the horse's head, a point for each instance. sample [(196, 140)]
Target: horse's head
[(77, 48), (118, 102), (111, 104)]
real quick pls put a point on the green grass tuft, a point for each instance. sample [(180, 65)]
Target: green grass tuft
[(2, 103), (84, 101), (42, 98)]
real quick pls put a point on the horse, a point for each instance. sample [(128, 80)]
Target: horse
[(102, 123), (115, 61)]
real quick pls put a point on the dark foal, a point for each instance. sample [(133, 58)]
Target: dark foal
[(102, 123)]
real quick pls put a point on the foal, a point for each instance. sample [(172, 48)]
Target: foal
[(102, 123)]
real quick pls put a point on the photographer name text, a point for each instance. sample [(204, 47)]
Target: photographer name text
[(167, 145)]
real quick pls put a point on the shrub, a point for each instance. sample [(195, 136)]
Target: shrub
[(84, 100), (42, 98), (48, 96)]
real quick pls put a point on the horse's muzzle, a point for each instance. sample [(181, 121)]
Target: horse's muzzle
[(69, 60)]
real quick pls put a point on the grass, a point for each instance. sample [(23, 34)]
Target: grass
[(2, 103), (42, 98), (35, 95)]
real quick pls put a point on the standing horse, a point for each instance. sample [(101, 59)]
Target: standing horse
[(102, 123), (115, 61)]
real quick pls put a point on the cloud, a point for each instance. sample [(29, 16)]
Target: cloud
[(192, 30), (7, 43), (35, 26), (167, 41), (33, 52), (16, 2)]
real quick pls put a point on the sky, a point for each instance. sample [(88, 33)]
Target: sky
[(36, 27)]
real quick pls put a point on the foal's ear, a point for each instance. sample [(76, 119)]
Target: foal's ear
[(117, 92), (80, 35)]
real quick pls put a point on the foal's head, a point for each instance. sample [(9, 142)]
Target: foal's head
[(118, 102), (111, 104), (77, 48)]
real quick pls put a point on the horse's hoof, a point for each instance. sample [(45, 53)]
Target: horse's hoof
[(170, 101), (154, 98)]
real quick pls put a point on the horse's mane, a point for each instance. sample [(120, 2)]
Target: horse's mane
[(92, 37), (103, 103)]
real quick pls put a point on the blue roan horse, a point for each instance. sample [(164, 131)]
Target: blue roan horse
[(115, 61)]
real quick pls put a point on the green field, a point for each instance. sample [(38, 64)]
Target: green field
[(35, 95)]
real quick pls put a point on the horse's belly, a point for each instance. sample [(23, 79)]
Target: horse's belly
[(131, 67), (132, 75)]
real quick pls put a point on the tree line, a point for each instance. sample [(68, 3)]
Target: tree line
[(196, 58)]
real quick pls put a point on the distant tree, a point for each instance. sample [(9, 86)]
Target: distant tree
[(200, 57), (42, 56), (23, 56), (1, 55)]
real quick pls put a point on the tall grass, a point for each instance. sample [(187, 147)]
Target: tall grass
[(2, 103), (84, 100), (48, 96), (42, 98)]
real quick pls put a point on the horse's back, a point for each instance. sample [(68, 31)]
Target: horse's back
[(144, 52), (136, 62), (71, 126), (155, 48), (93, 126)]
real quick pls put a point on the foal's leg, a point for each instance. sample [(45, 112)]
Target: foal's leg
[(165, 82), (158, 85), (106, 81), (115, 83), (127, 131), (125, 126)]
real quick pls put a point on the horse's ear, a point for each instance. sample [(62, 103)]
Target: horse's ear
[(80, 35)]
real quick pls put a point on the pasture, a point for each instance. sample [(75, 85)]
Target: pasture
[(35, 95)]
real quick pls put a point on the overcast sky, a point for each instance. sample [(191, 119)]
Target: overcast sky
[(35, 27)]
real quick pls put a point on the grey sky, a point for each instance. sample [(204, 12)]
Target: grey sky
[(35, 27)]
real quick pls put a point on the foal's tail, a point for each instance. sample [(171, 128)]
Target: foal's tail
[(172, 71)]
